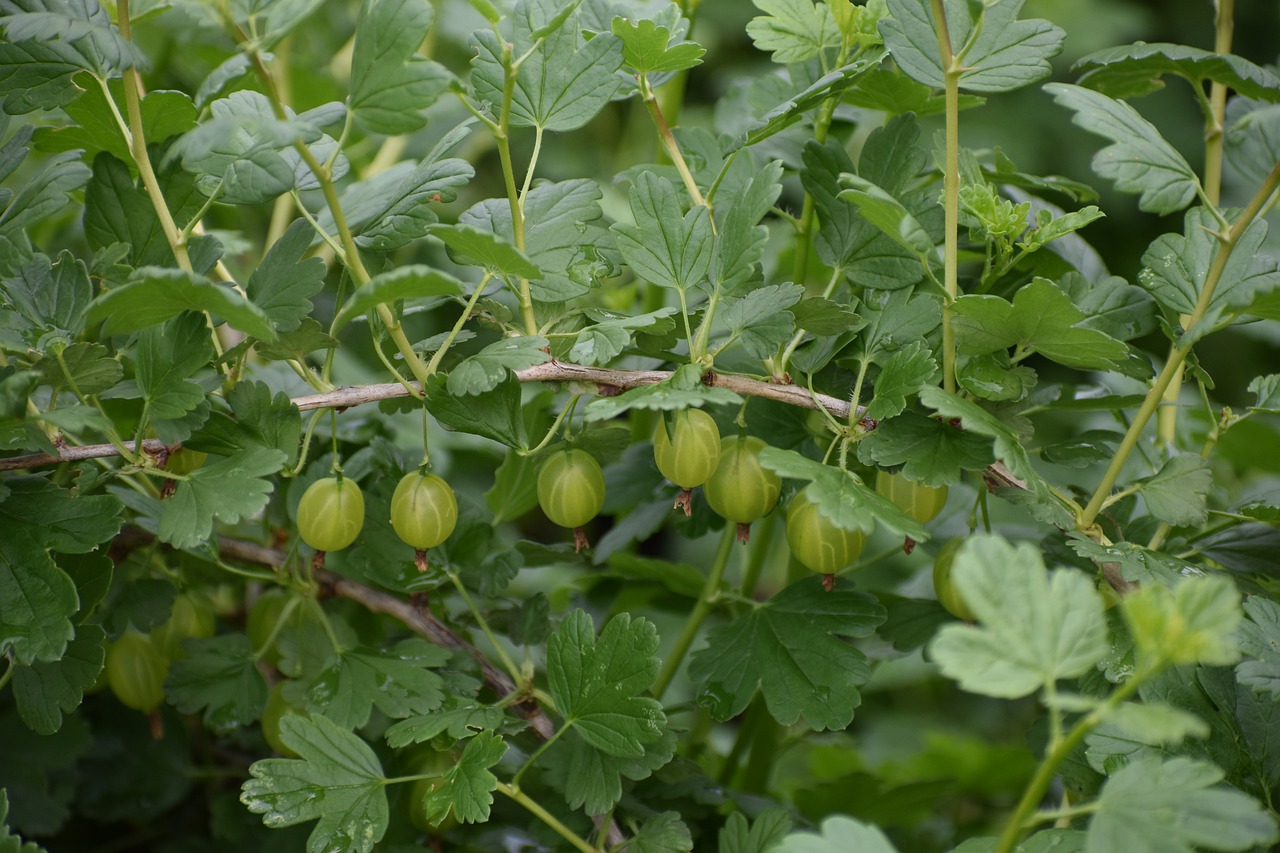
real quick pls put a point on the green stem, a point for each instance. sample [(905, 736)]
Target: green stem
[(555, 427), (1180, 351), (8, 674), (1058, 752), (951, 191), (808, 208), (706, 603), (671, 147), (434, 364), (285, 613), (514, 200), (836, 275), (546, 744), (536, 809), (761, 543), (512, 669), (764, 749)]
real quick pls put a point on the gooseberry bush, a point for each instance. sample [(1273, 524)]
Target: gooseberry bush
[(354, 354)]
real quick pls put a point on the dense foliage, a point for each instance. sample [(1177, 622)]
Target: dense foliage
[(535, 425)]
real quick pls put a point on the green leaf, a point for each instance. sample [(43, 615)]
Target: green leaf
[(1176, 806), (1177, 494), (1194, 622), (494, 414), (563, 83), (44, 692), (820, 316), (91, 368), (839, 834), (741, 239), (309, 337), (460, 722), (391, 87), (792, 649), (486, 249), (1111, 305), (592, 779), (164, 114), (41, 195), (904, 374), (564, 236), (1139, 159), (1176, 267), (793, 30), (895, 318), (797, 105), (337, 779), (1133, 70), (664, 247), (515, 488), (1038, 499), (483, 371), (769, 827), (397, 681), (1156, 723), (612, 333), (597, 682), (1267, 390), (167, 357), (226, 491), (50, 296), (48, 42), (929, 450), (1041, 318), (682, 390), (392, 208), (662, 833), (761, 319), (155, 294), (841, 497), (220, 677), (994, 376), (647, 47), (1252, 137), (261, 420), (1259, 638), (467, 788), (1006, 54), (416, 281), (885, 212), (10, 843), (1034, 627), (283, 284)]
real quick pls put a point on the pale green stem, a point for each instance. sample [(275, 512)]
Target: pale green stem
[(512, 669), (535, 808), (434, 364), (706, 603), (951, 192)]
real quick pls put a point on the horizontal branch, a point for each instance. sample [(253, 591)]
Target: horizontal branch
[(551, 371)]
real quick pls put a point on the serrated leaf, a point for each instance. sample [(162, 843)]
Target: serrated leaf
[(592, 779), (1138, 159), (769, 827), (665, 247), (841, 498), (416, 281), (820, 316), (1156, 723), (662, 833), (929, 450), (791, 649), (1259, 638), (337, 779), (398, 681), (1042, 318), (10, 843), (309, 337), (563, 83), (460, 722), (167, 358), (219, 676), (89, 367), (796, 106), (226, 491), (597, 681), (994, 376), (793, 30), (164, 113), (391, 86), (564, 236), (1267, 391), (612, 333), (1034, 627), (885, 212), (261, 420), (50, 296), (494, 414), (155, 294), (647, 47), (283, 284), (1111, 305), (761, 319), (904, 374), (1175, 806), (40, 195), (44, 692), (1133, 70), (485, 249), (483, 371), (393, 208), (1194, 622), (467, 788), (682, 390), (1176, 267), (741, 239), (1177, 494), (838, 834), (1006, 54), (1038, 497)]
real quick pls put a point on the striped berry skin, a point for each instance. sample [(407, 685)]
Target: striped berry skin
[(818, 543), (741, 489), (921, 502), (424, 510), (136, 670), (689, 454), (571, 488), (331, 514)]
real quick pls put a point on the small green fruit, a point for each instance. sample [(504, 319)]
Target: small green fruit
[(331, 514), (191, 616), (424, 510), (277, 708), (689, 455), (944, 587), (921, 502), (571, 488), (817, 542), (136, 670), (184, 460), (741, 489)]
